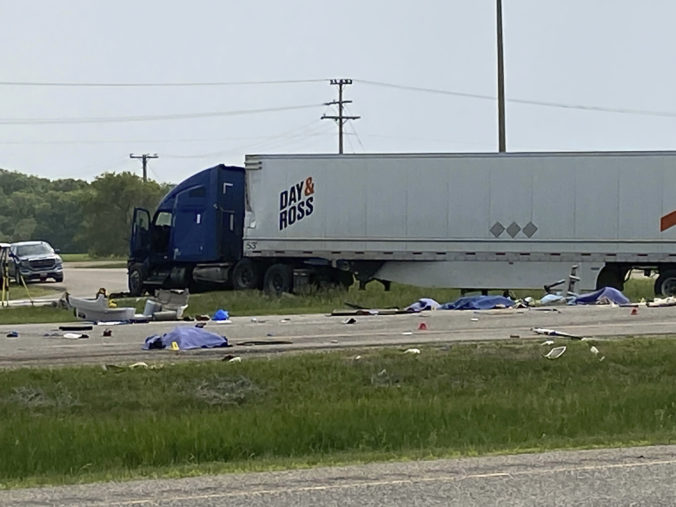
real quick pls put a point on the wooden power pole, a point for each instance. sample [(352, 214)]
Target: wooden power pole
[(340, 118), (144, 158)]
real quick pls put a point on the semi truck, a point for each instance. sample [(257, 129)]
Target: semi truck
[(463, 220)]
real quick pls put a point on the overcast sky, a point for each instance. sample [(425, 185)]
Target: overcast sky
[(424, 76)]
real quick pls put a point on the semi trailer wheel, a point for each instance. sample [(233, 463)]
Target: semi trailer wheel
[(665, 285), (246, 275), (278, 279)]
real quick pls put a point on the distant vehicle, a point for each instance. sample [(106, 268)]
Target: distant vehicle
[(34, 260)]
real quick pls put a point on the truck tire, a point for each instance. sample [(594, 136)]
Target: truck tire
[(278, 279), (246, 275), (135, 282), (665, 285)]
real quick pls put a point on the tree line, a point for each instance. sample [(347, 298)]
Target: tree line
[(73, 215)]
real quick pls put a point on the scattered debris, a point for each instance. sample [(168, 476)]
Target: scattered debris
[(235, 359), (357, 358), (140, 364), (634, 311), (75, 336), (547, 342), (100, 308), (263, 342), (422, 305), (107, 332), (553, 332), (422, 327), (200, 324), (556, 352), (221, 315), (76, 328), (202, 317), (407, 333), (351, 320), (474, 319), (13, 334), (514, 336), (412, 351), (285, 320), (594, 350)]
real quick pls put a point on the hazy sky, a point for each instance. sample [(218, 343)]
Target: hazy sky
[(606, 54)]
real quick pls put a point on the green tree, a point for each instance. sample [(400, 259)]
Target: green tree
[(108, 209)]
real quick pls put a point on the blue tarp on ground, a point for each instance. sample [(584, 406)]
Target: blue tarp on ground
[(478, 303), (604, 295), (186, 337)]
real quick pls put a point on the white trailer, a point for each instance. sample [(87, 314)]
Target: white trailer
[(479, 221)]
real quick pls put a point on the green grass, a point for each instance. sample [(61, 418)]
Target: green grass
[(84, 424), (34, 315)]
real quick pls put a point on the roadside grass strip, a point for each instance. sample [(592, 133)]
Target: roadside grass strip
[(82, 424)]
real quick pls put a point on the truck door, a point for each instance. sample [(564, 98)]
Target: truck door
[(192, 230), (139, 243), (231, 204)]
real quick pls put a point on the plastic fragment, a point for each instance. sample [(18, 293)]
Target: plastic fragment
[(412, 351), (556, 352)]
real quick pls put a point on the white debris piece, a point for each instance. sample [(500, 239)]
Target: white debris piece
[(412, 351), (594, 350), (556, 352), (547, 342)]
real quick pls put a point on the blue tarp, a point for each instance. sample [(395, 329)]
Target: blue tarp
[(478, 303), (186, 337), (604, 295)]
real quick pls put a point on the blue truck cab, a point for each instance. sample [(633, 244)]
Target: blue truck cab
[(194, 236)]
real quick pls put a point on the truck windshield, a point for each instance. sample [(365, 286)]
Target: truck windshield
[(37, 249)]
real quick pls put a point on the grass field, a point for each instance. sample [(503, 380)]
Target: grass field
[(83, 424)]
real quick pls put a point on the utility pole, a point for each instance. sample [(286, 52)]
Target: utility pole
[(144, 159), (502, 143), (341, 118)]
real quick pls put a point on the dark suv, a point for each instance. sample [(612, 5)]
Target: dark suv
[(34, 260)]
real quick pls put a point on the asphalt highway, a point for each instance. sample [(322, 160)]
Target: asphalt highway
[(640, 476)]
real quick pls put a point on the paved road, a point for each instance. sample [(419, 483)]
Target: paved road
[(641, 476), (45, 344)]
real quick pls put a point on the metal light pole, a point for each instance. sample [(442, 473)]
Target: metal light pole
[(502, 142)]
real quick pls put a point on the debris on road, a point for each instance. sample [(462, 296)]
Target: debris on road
[(422, 327), (107, 332), (75, 336), (553, 332), (76, 328), (351, 320), (13, 334)]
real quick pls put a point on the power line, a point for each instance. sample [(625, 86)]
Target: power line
[(666, 114), (159, 85), (175, 116)]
